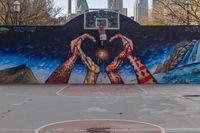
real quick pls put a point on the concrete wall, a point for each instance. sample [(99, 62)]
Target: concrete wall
[(42, 54)]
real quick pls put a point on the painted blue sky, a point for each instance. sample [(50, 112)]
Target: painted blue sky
[(98, 4)]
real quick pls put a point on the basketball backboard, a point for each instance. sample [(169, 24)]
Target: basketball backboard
[(95, 17)]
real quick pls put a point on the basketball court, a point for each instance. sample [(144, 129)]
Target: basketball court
[(55, 109)]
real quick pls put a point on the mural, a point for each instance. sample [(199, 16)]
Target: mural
[(71, 55)]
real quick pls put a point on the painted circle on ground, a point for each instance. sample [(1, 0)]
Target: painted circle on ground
[(100, 126)]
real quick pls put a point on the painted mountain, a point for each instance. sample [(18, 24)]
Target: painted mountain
[(183, 66), (17, 75)]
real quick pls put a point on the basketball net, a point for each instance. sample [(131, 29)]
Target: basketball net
[(102, 33)]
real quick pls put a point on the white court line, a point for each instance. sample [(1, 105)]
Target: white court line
[(107, 96), (145, 92), (58, 92), (122, 120)]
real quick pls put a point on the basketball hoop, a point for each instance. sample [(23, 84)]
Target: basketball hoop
[(102, 33), (101, 20)]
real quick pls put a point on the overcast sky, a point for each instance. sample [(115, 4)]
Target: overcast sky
[(97, 4)]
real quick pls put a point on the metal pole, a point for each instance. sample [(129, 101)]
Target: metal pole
[(16, 8), (16, 18), (69, 7)]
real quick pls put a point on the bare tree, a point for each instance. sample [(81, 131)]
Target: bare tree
[(145, 21), (176, 11), (33, 12)]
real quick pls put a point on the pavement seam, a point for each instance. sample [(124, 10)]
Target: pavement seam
[(96, 97), (17, 129)]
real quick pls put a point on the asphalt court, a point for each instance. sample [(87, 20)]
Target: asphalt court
[(174, 108)]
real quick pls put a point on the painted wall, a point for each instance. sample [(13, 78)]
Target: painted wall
[(147, 54)]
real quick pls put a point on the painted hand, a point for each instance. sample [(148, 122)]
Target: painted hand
[(127, 43), (76, 43)]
